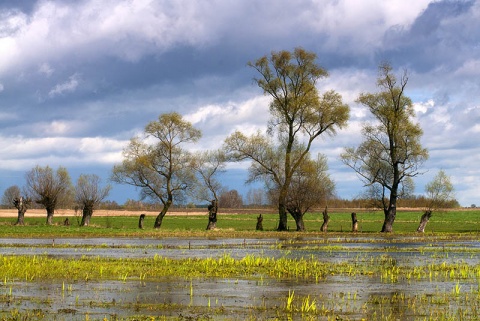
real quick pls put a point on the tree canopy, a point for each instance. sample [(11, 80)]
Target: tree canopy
[(158, 163)]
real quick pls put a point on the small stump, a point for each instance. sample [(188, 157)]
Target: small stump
[(259, 223), (354, 222), (140, 221)]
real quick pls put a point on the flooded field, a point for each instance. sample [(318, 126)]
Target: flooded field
[(410, 279)]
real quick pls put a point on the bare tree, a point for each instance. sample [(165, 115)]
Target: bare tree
[(440, 191), (256, 196), (10, 195), (230, 199), (49, 189), (89, 194), (208, 165), (310, 186), (22, 205)]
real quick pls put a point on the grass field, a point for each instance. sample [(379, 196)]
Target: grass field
[(126, 223)]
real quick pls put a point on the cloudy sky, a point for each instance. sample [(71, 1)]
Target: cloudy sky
[(79, 78)]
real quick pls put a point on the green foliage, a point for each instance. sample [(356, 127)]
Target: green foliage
[(299, 115), (161, 167)]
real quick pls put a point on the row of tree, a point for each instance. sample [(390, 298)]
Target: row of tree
[(387, 160), (161, 166), (52, 189)]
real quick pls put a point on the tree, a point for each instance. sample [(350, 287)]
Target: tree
[(158, 164), (440, 192), (89, 194), (230, 199), (256, 197), (391, 152), (10, 195), (310, 186), (22, 205), (208, 165), (299, 115), (49, 189)]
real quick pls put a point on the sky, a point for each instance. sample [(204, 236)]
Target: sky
[(79, 78)]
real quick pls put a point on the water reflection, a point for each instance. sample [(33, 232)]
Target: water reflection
[(333, 250)]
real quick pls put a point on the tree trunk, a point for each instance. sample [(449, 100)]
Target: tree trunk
[(50, 212), (298, 217), (423, 221), (140, 221), (21, 215), (21, 205), (259, 223), (326, 219), (354, 222), (161, 215), (282, 213), (300, 224), (212, 215), (87, 214), (390, 215)]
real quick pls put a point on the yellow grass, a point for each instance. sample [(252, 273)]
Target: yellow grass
[(62, 212)]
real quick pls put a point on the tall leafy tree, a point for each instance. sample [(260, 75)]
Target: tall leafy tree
[(391, 152), (299, 115), (158, 163), (89, 194), (49, 188)]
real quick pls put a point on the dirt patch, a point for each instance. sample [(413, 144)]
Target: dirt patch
[(171, 212), (63, 213)]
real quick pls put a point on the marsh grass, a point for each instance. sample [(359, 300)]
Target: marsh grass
[(457, 300)]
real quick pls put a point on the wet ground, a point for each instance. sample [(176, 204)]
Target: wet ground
[(352, 298)]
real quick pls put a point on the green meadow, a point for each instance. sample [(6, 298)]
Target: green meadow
[(451, 221)]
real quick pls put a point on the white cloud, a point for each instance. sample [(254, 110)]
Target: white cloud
[(253, 111), (45, 69), (132, 29), (69, 86), (423, 107), (21, 153), (342, 20)]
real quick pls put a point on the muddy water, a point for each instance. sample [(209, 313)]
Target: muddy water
[(352, 298), (219, 298)]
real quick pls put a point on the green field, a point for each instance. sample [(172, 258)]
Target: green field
[(452, 221)]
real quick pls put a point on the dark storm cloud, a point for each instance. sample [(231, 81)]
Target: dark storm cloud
[(79, 78), (444, 35)]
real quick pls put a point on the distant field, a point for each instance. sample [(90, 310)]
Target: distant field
[(125, 223)]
